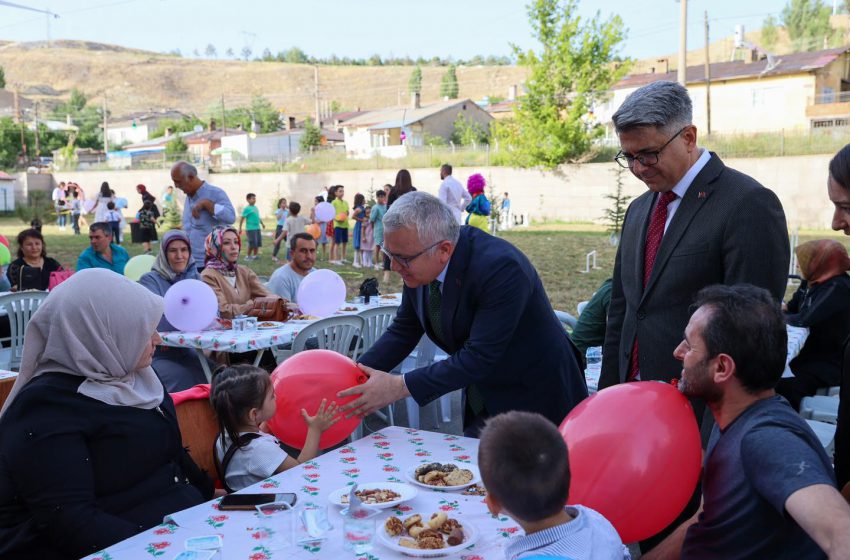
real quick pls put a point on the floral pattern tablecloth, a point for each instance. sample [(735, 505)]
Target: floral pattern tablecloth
[(383, 456), (245, 341)]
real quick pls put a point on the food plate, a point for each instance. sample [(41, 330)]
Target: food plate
[(407, 492), (263, 325), (476, 476), (470, 538)]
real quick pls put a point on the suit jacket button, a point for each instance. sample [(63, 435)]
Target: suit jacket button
[(641, 315)]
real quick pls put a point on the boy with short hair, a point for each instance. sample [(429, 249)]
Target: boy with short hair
[(253, 227), (114, 218), (340, 226), (293, 224), (376, 218), (525, 468), (76, 210)]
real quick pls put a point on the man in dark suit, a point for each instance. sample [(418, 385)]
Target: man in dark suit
[(479, 299), (700, 223)]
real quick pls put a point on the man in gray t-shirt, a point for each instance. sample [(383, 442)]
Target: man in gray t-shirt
[(768, 486), (286, 279)]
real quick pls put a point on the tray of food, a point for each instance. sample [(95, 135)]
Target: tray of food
[(375, 494), (444, 475), (263, 325), (426, 536)]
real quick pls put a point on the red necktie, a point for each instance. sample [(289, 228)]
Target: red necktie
[(654, 233)]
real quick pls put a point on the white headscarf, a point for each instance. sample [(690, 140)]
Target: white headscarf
[(96, 325)]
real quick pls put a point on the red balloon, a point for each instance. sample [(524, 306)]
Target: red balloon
[(302, 381), (4, 241), (635, 456)]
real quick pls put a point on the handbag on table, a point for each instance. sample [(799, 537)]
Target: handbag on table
[(270, 309)]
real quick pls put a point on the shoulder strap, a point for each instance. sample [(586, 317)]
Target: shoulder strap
[(221, 467)]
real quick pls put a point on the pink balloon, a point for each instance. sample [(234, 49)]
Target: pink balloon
[(4, 241), (190, 305), (321, 293), (325, 211)]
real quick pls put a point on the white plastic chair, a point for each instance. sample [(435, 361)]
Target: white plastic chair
[(567, 320), (820, 408), (581, 305), (332, 333), (19, 307), (426, 353), (825, 433), (375, 322)]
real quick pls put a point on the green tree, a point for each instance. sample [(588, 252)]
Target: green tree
[(264, 114), (10, 142), (769, 33), (176, 125), (807, 23), (312, 137), (568, 73), (210, 51), (2, 78), (176, 147), (449, 87), (246, 52), (85, 117), (468, 132), (295, 56), (414, 84), (615, 213)]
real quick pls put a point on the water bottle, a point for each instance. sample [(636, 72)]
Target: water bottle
[(594, 362)]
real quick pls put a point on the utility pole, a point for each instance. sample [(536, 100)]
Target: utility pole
[(223, 122), (707, 81), (19, 119), (37, 150), (105, 127), (683, 43), (316, 93)]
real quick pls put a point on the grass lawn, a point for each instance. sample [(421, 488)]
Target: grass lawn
[(557, 251)]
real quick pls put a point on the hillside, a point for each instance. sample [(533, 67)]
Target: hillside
[(136, 80)]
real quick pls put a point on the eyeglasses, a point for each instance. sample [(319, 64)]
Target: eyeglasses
[(647, 159), (404, 262)]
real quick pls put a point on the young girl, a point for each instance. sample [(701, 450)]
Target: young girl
[(357, 214), (479, 208), (367, 238), (323, 237), (281, 214), (243, 399)]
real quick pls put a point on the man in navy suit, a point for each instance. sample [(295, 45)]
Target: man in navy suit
[(480, 300)]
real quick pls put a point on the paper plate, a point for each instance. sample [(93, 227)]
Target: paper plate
[(476, 476), (264, 325), (469, 531), (339, 496)]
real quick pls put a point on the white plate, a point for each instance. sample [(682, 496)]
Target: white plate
[(406, 491), (269, 325), (476, 476), (469, 531)]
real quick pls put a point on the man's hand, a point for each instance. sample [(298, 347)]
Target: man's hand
[(203, 204), (380, 390)]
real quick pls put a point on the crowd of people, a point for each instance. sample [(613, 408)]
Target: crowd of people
[(90, 449)]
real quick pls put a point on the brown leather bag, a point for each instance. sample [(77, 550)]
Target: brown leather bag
[(270, 309)]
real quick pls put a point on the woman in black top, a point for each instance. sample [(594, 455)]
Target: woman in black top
[(31, 270), (822, 304), (403, 185), (90, 449)]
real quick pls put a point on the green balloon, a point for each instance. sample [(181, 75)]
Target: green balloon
[(136, 267), (5, 255)]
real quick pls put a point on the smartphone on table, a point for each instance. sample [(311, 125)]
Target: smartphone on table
[(251, 501)]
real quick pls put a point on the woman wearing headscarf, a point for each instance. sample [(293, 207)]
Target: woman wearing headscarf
[(178, 368), (821, 303), (90, 449), (235, 286)]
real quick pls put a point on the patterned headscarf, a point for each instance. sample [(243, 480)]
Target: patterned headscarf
[(161, 264), (212, 247), (821, 260)]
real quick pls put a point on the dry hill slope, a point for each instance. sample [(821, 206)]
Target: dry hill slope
[(137, 80)]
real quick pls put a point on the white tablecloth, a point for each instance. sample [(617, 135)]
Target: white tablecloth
[(383, 456)]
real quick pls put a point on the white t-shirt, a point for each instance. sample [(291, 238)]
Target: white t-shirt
[(253, 463), (454, 195)]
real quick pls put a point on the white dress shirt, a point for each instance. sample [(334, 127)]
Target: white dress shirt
[(454, 195)]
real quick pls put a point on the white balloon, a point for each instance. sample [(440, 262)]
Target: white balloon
[(325, 212), (321, 293)]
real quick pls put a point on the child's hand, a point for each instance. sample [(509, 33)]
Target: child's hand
[(324, 418)]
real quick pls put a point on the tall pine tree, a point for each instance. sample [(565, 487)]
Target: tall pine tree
[(449, 87)]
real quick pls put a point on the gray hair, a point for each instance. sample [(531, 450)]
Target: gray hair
[(102, 227), (432, 219), (663, 105), (186, 169)]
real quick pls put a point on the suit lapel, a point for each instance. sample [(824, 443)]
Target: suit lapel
[(697, 194)]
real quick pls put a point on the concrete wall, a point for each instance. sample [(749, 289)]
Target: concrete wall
[(576, 195)]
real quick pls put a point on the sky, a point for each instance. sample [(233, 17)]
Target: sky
[(360, 28)]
